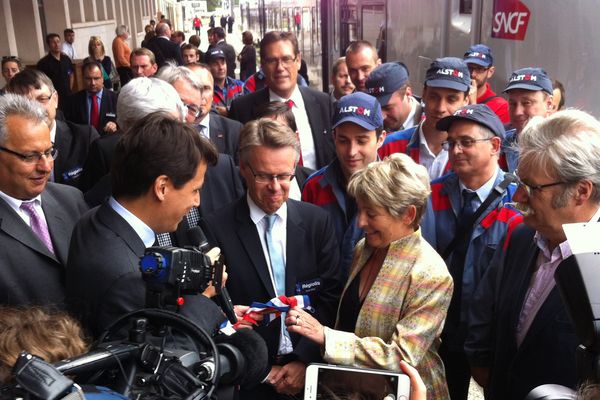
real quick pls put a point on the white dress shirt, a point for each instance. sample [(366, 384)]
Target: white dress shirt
[(307, 142)]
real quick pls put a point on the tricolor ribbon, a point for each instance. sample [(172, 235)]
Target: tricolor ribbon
[(272, 309)]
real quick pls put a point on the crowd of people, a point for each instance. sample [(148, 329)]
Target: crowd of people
[(425, 230)]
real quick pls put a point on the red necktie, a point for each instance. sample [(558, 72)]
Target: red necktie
[(290, 103), (95, 114)]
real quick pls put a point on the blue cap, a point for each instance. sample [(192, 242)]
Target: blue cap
[(214, 54), (529, 79), (384, 80), (478, 113), (479, 54), (360, 109), (449, 73)]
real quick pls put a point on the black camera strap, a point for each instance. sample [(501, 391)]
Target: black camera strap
[(467, 227)]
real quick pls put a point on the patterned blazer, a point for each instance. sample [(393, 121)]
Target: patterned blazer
[(402, 316)]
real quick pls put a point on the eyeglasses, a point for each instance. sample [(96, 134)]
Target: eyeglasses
[(478, 69), (268, 178), (529, 189), (34, 157), (463, 143), (286, 61), (193, 110)]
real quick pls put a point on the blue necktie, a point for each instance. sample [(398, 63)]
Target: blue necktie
[(276, 256)]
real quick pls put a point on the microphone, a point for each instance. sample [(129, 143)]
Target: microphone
[(96, 360), (243, 359), (198, 239)]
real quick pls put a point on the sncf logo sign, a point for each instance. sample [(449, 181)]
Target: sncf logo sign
[(511, 18)]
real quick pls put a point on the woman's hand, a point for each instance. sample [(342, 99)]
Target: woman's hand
[(301, 322), (418, 391)]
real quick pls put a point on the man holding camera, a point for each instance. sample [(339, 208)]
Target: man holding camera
[(158, 172)]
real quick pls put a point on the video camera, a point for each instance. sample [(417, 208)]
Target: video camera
[(165, 355)]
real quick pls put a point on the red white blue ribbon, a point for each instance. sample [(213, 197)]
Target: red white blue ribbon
[(271, 310)]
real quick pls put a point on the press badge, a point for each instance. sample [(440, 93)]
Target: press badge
[(308, 286)]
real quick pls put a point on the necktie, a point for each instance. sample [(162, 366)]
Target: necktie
[(38, 224), (290, 103), (275, 255), (95, 113)]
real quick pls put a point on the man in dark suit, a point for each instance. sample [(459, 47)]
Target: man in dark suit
[(71, 140), (280, 61), (216, 38), (142, 95), (275, 246), (159, 168), (520, 334), (80, 107), (36, 217), (164, 50), (223, 132)]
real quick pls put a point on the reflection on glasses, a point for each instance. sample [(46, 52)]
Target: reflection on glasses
[(529, 189), (193, 110), (268, 178), (34, 157), (463, 143), (286, 61)]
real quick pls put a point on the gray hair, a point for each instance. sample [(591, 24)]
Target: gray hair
[(171, 73), (394, 184), (267, 132), (121, 29), (15, 104), (566, 144), (142, 96)]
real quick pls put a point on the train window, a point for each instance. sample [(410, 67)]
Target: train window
[(466, 6), (373, 20)]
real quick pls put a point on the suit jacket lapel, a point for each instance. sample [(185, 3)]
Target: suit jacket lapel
[(117, 224), (14, 226), (295, 231), (217, 134), (62, 142), (57, 225), (251, 243)]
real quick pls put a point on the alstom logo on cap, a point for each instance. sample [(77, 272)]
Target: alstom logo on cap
[(376, 90), (477, 54), (463, 112), (450, 72), (523, 77), (355, 110)]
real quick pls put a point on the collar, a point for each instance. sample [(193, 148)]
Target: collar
[(423, 142), (53, 133), (205, 121), (143, 231), (98, 94), (221, 41), (413, 110), (296, 97), (257, 214), (15, 203), (484, 191)]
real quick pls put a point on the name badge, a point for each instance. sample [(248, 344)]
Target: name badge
[(308, 286), (72, 174)]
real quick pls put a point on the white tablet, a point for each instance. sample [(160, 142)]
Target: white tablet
[(329, 382)]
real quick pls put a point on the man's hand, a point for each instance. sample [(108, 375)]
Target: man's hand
[(210, 291), (222, 110), (473, 92), (110, 127), (290, 378), (240, 311)]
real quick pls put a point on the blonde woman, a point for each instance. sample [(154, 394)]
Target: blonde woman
[(394, 304), (97, 52)]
